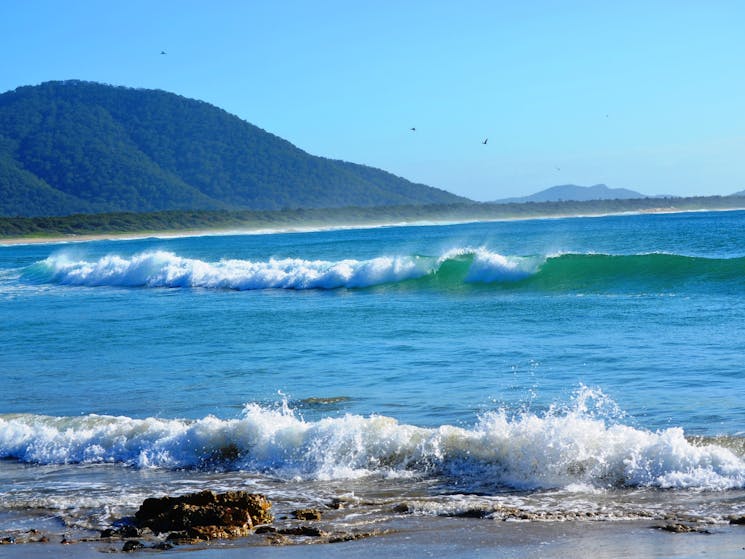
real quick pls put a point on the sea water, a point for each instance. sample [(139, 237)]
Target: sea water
[(561, 367)]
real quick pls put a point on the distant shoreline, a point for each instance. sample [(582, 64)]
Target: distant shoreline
[(176, 224)]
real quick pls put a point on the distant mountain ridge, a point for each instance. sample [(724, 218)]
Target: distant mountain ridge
[(82, 147), (573, 192)]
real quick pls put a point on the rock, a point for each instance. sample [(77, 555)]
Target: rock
[(349, 537), (677, 528), (472, 513), (180, 537), (303, 531), (205, 515), (217, 532), (307, 514), (132, 545), (265, 530), (737, 519), (7, 540), (121, 532), (278, 539)]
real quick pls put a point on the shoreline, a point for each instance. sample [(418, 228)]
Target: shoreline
[(220, 232), (454, 538)]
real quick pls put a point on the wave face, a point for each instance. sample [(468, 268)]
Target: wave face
[(566, 272), (556, 450)]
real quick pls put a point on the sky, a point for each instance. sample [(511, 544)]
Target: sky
[(642, 95)]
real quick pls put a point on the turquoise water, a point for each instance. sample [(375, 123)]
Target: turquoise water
[(505, 358)]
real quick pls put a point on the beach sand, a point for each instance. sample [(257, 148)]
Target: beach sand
[(454, 538)]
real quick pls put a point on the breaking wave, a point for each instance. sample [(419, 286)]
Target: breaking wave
[(553, 450), (459, 267)]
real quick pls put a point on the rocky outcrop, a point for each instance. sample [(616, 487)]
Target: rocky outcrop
[(205, 515)]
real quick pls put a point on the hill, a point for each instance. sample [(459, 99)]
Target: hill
[(81, 147), (572, 192)]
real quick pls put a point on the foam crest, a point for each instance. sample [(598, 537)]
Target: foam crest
[(165, 269), (492, 267), (556, 450)]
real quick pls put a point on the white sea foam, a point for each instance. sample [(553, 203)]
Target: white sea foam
[(166, 269), (557, 450), (490, 267)]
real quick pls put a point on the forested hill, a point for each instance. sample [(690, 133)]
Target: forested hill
[(81, 147)]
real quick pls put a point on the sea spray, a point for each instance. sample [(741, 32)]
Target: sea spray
[(526, 451)]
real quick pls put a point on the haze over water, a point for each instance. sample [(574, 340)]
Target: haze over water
[(559, 366)]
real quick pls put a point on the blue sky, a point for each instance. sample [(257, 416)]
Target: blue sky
[(642, 95)]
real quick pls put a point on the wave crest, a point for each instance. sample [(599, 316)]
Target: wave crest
[(529, 451), (453, 269)]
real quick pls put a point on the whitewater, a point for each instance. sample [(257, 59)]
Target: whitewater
[(550, 368)]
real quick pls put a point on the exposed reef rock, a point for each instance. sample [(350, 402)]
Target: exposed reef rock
[(205, 515)]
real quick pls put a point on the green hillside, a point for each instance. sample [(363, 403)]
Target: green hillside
[(80, 147)]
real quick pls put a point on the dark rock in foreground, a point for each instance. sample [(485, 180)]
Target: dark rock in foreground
[(132, 545), (205, 515)]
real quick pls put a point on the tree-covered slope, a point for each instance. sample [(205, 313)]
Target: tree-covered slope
[(74, 146)]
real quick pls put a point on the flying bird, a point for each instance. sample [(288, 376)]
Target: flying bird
[(485, 140), (163, 52), (413, 129)]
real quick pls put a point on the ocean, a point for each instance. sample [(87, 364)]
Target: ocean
[(545, 369)]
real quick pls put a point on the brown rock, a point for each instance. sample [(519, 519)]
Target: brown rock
[(278, 539), (349, 536), (303, 531), (307, 514), (205, 515), (217, 532), (677, 528)]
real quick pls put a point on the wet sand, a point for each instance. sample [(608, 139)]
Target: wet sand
[(454, 538)]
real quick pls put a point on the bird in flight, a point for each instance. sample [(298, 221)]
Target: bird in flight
[(413, 129), (163, 52), (485, 140)]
